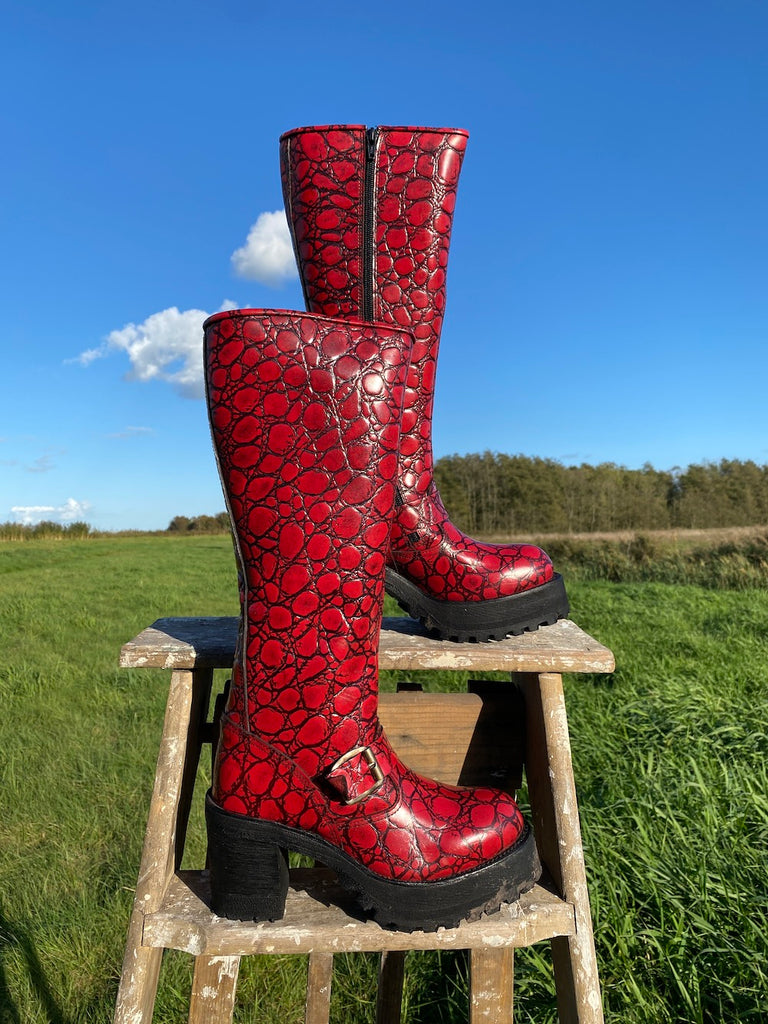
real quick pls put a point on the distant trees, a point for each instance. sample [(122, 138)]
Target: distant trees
[(200, 524), (495, 493), (727, 493)]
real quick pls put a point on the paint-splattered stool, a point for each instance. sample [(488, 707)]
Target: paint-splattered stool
[(494, 732)]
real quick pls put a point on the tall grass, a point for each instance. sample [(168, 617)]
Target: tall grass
[(736, 564), (670, 761), (45, 530)]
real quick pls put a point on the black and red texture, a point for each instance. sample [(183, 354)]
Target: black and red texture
[(414, 193), (305, 415)]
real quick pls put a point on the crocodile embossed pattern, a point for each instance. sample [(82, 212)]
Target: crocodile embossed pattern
[(305, 415), (371, 212)]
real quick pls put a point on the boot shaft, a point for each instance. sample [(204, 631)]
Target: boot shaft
[(304, 415), (371, 212)]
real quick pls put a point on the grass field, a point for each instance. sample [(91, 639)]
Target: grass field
[(670, 761)]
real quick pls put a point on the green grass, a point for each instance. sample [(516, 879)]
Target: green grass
[(670, 761)]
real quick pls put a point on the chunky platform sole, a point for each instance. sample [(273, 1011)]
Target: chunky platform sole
[(249, 877), (481, 620)]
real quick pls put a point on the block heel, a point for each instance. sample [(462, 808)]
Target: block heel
[(249, 873)]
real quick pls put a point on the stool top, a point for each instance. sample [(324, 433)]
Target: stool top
[(186, 643)]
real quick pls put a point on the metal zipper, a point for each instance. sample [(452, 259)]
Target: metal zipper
[(369, 185)]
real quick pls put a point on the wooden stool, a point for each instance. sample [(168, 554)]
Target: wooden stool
[(488, 734)]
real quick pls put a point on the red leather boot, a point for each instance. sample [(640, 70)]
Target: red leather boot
[(305, 415), (370, 211)]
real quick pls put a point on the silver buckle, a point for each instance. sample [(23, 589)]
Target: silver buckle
[(370, 759)]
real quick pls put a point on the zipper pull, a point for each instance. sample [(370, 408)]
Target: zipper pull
[(371, 139)]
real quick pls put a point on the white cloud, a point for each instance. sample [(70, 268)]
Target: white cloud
[(70, 512), (267, 255), (89, 356), (167, 346)]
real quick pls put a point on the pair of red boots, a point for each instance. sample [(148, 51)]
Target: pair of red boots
[(321, 424)]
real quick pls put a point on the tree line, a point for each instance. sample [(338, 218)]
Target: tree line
[(495, 494), (501, 494), (200, 524)]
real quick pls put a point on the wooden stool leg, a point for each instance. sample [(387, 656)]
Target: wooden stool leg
[(389, 998), (319, 980), (141, 964), (491, 985), (213, 989), (552, 792), (139, 978)]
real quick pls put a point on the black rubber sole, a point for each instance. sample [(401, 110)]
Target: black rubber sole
[(481, 620), (249, 877)]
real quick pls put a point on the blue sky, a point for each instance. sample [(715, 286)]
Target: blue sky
[(607, 296)]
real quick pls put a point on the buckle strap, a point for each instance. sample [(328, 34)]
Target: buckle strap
[(349, 775)]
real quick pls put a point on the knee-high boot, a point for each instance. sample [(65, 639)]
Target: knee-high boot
[(305, 415), (370, 211)]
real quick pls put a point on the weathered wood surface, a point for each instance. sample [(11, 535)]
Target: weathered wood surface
[(389, 996), (431, 732), (491, 986), (190, 642), (466, 739), (214, 984), (317, 1008), (321, 917), (555, 812), (141, 964), (210, 643)]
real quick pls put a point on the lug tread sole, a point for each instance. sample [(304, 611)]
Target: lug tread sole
[(478, 621)]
